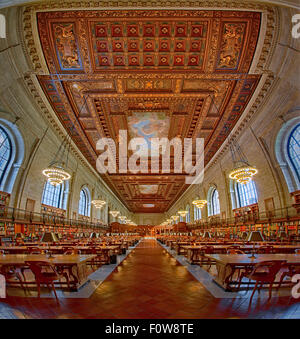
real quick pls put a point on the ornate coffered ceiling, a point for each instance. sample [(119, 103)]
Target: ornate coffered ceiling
[(153, 72)]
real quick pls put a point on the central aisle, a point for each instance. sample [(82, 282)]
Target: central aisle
[(151, 283)]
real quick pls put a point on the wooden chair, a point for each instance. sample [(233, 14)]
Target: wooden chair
[(263, 273), (238, 269), (31, 251), (100, 258), (203, 259), (45, 273), (10, 273)]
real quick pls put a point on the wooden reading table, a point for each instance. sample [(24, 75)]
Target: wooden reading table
[(226, 264), (75, 264)]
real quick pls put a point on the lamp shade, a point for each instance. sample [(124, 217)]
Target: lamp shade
[(255, 236), (49, 237)]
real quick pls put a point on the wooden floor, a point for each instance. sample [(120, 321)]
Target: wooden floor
[(150, 284)]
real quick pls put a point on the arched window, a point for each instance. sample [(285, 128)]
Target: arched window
[(246, 194), (287, 151), (215, 203), (188, 216), (197, 213), (55, 196), (84, 202), (2, 26), (293, 149), (11, 154), (5, 152)]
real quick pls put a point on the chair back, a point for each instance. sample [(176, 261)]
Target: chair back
[(38, 267), (271, 267)]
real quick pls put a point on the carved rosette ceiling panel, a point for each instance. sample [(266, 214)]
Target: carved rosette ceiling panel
[(115, 70)]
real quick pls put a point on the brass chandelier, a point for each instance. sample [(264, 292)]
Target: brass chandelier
[(182, 213), (98, 203), (114, 213), (199, 203), (242, 171), (175, 217), (122, 218), (56, 172)]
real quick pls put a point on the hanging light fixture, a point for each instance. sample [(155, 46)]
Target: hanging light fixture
[(242, 171), (182, 213), (56, 172), (56, 175), (175, 217), (98, 203), (114, 213), (122, 217), (199, 203)]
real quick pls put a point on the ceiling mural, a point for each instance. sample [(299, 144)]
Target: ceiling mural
[(148, 189), (155, 73), (148, 125)]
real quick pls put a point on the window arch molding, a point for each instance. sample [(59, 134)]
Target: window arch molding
[(210, 205), (16, 156), (282, 156), (84, 208)]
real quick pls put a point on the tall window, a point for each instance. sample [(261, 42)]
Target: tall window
[(215, 203), (293, 148), (188, 216), (246, 194), (54, 195), (197, 213), (84, 203), (5, 152)]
